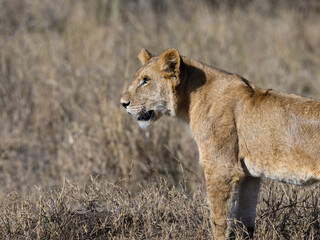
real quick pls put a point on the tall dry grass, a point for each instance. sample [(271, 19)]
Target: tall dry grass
[(63, 68)]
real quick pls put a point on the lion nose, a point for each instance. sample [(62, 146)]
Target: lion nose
[(125, 104)]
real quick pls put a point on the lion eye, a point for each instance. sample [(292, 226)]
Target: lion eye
[(145, 80)]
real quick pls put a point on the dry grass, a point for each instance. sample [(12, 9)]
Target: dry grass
[(63, 67), (105, 211)]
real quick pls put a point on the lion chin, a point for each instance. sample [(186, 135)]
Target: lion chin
[(146, 119), (144, 124)]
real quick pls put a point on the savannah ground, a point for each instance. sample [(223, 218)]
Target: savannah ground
[(75, 165)]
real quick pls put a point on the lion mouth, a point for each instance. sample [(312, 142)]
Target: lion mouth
[(146, 116)]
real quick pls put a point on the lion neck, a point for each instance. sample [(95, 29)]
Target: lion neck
[(203, 88), (192, 80)]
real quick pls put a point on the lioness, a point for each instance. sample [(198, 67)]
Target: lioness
[(243, 133)]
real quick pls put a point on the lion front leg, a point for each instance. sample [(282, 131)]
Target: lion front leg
[(248, 196), (222, 185)]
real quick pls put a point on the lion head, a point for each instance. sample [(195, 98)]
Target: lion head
[(151, 92)]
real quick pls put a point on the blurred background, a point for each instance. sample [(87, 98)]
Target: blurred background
[(64, 65)]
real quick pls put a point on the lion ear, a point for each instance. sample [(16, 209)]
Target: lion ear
[(169, 62), (144, 56)]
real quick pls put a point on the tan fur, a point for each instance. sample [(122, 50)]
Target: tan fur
[(243, 133)]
